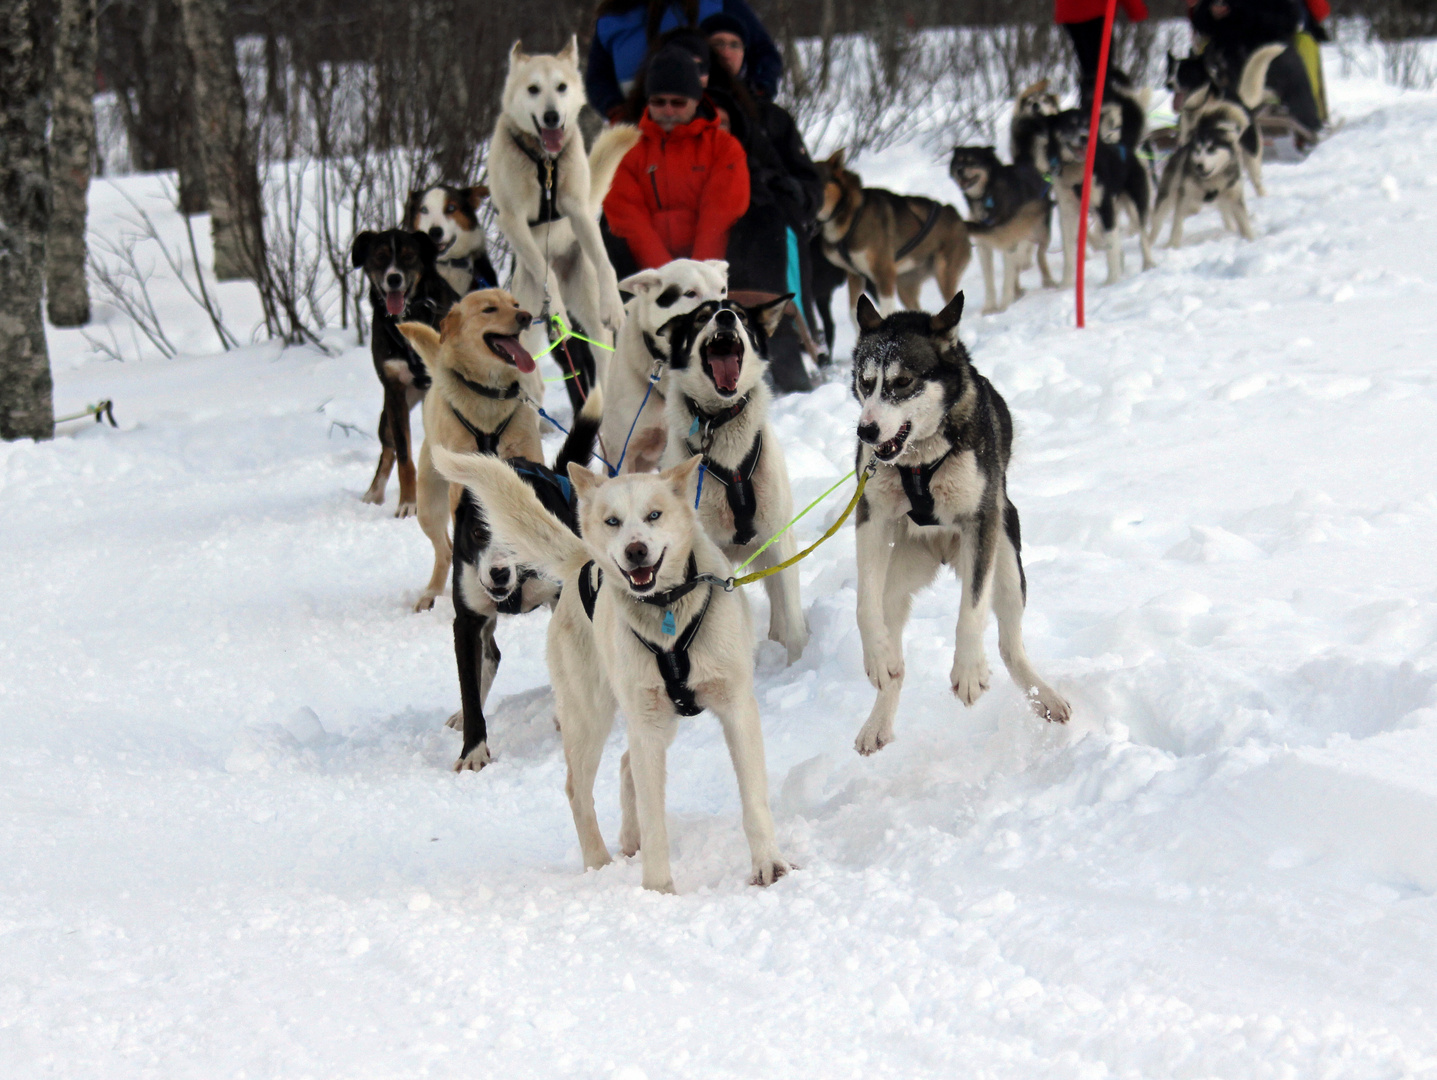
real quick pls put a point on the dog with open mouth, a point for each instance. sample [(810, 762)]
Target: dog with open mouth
[(718, 408), (635, 427), (644, 624), (937, 437), (547, 193), (449, 216), (484, 388), (404, 284), (1206, 169)]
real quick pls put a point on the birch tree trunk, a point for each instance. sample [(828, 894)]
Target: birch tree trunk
[(230, 178), (26, 408), (72, 146)]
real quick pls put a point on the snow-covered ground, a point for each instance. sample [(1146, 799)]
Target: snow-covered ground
[(233, 846)]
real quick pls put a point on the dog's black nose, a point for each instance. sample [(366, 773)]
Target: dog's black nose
[(499, 575), (436, 233), (868, 432), (523, 318), (637, 554), (726, 318), (551, 118), (395, 281)]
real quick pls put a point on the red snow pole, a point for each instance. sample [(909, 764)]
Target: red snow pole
[(1101, 80)]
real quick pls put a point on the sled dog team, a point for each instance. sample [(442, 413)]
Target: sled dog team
[(637, 564)]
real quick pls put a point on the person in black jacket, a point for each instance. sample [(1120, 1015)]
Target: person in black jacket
[(1235, 28)]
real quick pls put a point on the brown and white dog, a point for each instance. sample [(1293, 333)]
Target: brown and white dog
[(450, 217), (484, 384)]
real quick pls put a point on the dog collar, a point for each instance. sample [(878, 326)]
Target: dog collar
[(692, 580), (548, 168), (510, 392), (709, 421)]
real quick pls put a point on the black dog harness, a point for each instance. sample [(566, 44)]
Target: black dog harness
[(476, 279), (548, 169), (922, 234), (417, 371), (916, 481), (737, 483), (485, 442), (673, 663)]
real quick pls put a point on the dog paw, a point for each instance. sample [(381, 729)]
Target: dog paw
[(611, 308), (991, 309), (475, 760), (883, 664), (375, 497), (769, 869), (1049, 705), (970, 677), (663, 885), (406, 509), (456, 721), (425, 602), (629, 840), (874, 737)]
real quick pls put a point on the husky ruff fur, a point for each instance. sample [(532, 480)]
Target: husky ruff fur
[(718, 407), (938, 438), (547, 195), (637, 627)]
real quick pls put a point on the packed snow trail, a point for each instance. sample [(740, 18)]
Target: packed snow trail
[(233, 845)]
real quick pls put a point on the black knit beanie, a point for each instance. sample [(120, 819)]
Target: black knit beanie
[(724, 23), (673, 71)]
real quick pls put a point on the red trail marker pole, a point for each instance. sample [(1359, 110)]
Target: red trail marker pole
[(1093, 123)]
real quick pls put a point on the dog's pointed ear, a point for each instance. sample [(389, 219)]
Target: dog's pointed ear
[(680, 477), (868, 317), (359, 250), (769, 315), (424, 339), (585, 481), (721, 265), (835, 160), (517, 54), (946, 321), (642, 283), (476, 194), (570, 52)]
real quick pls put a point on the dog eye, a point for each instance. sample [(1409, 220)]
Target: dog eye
[(490, 310), (612, 522), (563, 88), (691, 293), (534, 89), (654, 515), (866, 385), (900, 383), (449, 208)]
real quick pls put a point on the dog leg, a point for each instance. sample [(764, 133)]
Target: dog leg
[(786, 623), (375, 494), (1253, 162), (885, 279), (990, 290), (649, 741), (585, 708), (1010, 278), (976, 554), (396, 409), (1008, 602), (1145, 244), (855, 290), (434, 520), (609, 306), (882, 657), (530, 258), (1068, 223), (629, 807), (1239, 213), (1049, 282), (1114, 240), (469, 641), (1175, 238), (744, 735)]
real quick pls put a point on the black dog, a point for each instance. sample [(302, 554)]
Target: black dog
[(403, 286), (489, 581)]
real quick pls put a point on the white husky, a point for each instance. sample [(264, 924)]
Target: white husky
[(639, 625), (548, 194), (674, 289)]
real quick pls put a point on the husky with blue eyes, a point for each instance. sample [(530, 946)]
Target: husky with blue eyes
[(645, 624), (936, 438)]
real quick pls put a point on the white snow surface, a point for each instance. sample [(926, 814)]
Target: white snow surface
[(233, 845)]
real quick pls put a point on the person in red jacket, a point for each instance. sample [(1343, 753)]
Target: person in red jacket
[(1083, 20), (679, 190)]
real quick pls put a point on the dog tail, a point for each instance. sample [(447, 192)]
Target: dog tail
[(1254, 74), (608, 150), (514, 512), (579, 444)]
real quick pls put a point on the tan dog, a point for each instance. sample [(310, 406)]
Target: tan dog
[(895, 241), (483, 384)]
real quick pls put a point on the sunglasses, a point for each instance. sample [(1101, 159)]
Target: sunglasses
[(669, 102)]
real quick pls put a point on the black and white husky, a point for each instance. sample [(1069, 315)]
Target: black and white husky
[(937, 438), (718, 407), (1206, 169)]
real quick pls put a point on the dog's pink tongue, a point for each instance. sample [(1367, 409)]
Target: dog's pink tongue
[(553, 139), (725, 369), (394, 302), (517, 354)]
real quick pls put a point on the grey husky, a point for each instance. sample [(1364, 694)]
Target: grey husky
[(936, 437)]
